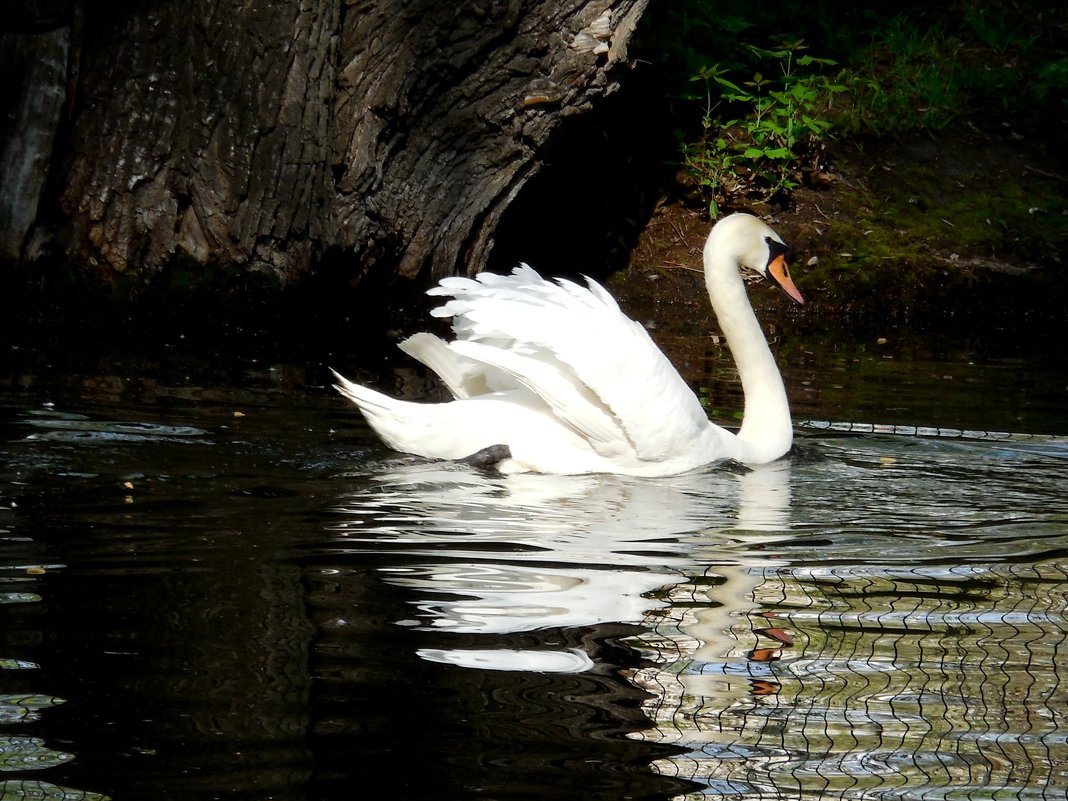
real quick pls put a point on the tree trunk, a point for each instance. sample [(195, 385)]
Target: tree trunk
[(33, 61), (272, 136)]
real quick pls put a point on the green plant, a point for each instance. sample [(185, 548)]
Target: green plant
[(756, 151)]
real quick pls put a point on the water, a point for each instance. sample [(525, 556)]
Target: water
[(215, 584)]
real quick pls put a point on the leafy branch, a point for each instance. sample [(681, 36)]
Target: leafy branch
[(755, 151)]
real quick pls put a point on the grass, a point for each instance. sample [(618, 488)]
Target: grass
[(937, 236)]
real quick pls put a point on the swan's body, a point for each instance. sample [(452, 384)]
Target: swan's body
[(557, 374)]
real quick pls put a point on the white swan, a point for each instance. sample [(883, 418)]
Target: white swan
[(552, 377)]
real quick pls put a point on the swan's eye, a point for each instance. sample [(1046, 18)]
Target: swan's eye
[(776, 249)]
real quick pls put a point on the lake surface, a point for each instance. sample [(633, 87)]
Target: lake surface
[(215, 583)]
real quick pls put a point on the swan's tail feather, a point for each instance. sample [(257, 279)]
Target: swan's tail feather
[(368, 400), (400, 424), (453, 430)]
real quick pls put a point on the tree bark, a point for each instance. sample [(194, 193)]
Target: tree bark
[(274, 136), (33, 61)]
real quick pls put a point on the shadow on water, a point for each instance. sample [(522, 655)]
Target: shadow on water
[(222, 586)]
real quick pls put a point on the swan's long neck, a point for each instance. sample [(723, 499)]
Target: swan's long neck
[(767, 431)]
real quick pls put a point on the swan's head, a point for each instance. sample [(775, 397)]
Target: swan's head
[(752, 244)]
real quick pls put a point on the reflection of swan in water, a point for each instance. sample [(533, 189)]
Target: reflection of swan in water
[(501, 554), (763, 514)]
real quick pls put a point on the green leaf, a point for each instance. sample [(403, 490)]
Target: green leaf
[(733, 87), (806, 60), (760, 52)]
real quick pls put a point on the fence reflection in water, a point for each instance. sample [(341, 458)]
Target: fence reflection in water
[(861, 681)]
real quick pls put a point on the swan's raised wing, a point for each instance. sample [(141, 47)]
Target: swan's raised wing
[(464, 377), (583, 329), (571, 401)]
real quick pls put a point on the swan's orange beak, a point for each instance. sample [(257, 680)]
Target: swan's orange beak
[(779, 273)]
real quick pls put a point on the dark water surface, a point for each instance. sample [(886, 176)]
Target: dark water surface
[(214, 583)]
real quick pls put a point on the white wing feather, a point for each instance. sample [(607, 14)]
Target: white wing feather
[(611, 356), (464, 377), (568, 398)]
